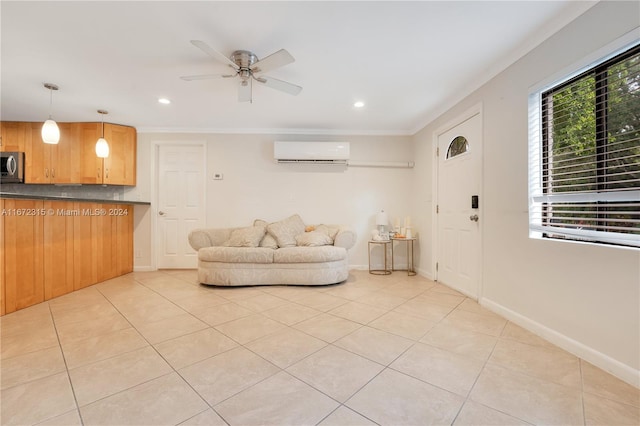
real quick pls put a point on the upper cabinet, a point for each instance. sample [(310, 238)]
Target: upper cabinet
[(120, 167), (47, 163), (73, 160), (13, 136)]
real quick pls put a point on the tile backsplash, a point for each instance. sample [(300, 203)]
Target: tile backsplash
[(89, 192)]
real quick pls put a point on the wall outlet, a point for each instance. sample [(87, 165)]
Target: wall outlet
[(138, 254), (218, 176)]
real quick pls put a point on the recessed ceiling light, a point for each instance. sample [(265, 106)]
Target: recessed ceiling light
[(164, 101), (358, 104)]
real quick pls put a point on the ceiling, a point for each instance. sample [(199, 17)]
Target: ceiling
[(407, 61)]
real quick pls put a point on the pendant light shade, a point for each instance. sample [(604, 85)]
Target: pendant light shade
[(102, 146), (50, 131)]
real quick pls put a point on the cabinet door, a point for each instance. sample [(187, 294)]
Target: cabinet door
[(66, 156), (58, 248), (124, 224), (120, 166), (107, 243), (37, 156), (2, 268), (85, 246), (90, 165), (23, 252), (13, 135)]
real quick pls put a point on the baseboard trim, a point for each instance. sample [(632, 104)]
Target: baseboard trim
[(144, 269), (424, 273), (605, 362)]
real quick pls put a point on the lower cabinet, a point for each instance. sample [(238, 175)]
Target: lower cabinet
[(23, 253), (50, 248)]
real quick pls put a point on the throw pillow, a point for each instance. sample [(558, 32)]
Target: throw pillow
[(331, 231), (267, 240), (245, 237), (313, 239), (286, 230)]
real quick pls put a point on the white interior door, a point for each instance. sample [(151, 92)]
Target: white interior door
[(181, 203), (459, 177)]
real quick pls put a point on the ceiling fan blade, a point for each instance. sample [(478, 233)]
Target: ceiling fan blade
[(205, 77), (283, 86), (214, 53), (273, 61), (244, 91)]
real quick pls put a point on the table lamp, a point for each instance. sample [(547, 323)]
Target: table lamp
[(382, 220)]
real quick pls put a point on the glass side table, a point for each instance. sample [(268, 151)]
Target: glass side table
[(409, 245), (385, 245)]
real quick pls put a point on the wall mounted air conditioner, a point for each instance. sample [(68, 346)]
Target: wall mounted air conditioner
[(311, 152)]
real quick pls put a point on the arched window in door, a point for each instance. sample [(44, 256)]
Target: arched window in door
[(459, 145)]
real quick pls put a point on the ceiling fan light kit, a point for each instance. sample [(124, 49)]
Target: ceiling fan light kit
[(248, 67)]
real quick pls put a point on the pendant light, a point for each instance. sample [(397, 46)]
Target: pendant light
[(102, 146), (50, 131)]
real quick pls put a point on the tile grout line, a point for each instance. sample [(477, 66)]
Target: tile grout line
[(66, 366)]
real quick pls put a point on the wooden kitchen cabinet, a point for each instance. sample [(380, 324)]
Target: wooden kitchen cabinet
[(85, 246), (120, 167), (103, 243), (58, 248), (51, 248), (13, 136), (23, 253), (90, 165), (2, 268), (117, 169), (73, 160), (52, 163), (124, 239)]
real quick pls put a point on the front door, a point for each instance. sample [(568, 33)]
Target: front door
[(459, 176), (181, 189)]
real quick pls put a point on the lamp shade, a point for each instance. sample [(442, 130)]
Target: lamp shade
[(50, 132), (102, 148), (382, 218)]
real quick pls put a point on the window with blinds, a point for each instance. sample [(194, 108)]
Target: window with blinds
[(588, 188)]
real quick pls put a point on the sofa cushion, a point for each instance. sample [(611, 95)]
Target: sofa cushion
[(313, 239), (267, 239), (285, 231), (309, 254), (246, 237), (236, 254)]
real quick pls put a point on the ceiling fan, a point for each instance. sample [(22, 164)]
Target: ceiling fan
[(249, 68)]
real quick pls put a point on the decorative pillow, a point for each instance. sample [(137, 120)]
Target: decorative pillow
[(267, 240), (245, 237), (331, 231), (286, 230), (313, 239)]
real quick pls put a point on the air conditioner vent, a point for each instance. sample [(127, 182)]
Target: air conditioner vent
[(311, 152)]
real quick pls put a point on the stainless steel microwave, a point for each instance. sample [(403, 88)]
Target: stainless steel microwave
[(11, 167)]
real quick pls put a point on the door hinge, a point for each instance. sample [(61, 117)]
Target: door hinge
[(437, 208), (437, 264), (438, 152)]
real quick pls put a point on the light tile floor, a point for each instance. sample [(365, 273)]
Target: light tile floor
[(157, 348)]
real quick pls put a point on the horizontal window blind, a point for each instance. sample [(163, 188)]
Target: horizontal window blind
[(585, 181)]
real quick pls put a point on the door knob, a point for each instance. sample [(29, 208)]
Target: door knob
[(161, 213), (473, 218)]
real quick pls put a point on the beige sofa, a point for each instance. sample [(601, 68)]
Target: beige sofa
[(284, 252)]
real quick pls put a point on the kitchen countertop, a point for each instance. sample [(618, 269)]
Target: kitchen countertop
[(58, 198)]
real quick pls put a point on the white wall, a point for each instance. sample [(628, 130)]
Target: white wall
[(585, 298), (254, 186)]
